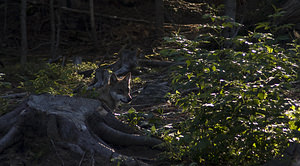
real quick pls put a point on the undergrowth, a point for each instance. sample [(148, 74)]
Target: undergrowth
[(57, 80), (236, 98)]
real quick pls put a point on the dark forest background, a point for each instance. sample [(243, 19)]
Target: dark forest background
[(217, 81)]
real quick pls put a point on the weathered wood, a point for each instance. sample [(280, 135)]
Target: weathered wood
[(126, 63), (100, 80), (78, 124), (10, 138), (10, 118), (14, 133), (14, 95), (114, 136)]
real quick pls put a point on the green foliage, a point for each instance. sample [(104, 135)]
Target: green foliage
[(133, 117), (57, 80), (3, 106), (4, 84), (240, 113)]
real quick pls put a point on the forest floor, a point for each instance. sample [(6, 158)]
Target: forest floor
[(181, 16)]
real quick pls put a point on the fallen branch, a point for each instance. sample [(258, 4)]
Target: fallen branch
[(15, 95), (58, 156), (55, 59), (158, 63)]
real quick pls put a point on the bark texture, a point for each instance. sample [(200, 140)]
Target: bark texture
[(79, 124), (126, 63)]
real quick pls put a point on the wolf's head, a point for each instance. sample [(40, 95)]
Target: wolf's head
[(120, 88)]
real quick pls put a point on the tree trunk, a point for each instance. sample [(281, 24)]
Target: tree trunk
[(159, 14), (93, 26), (292, 15), (58, 27), (230, 12), (24, 44), (52, 22), (4, 21), (55, 29), (79, 124)]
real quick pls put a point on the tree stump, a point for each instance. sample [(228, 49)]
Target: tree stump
[(126, 63), (79, 124), (100, 80)]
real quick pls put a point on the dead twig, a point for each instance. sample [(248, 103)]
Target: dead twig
[(92, 159), (39, 45), (82, 159), (62, 161)]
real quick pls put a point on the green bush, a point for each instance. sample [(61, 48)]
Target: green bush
[(236, 99)]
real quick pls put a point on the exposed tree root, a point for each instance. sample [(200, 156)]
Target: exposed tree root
[(77, 124), (10, 138), (7, 120)]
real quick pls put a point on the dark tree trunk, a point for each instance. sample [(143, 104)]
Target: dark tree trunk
[(230, 12), (55, 30), (24, 44), (292, 9), (93, 26), (52, 22), (58, 28), (159, 14), (5, 21)]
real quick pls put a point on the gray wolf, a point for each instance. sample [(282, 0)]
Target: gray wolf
[(116, 91)]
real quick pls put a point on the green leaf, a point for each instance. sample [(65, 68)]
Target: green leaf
[(189, 75), (262, 95), (188, 63), (131, 110), (265, 25), (270, 50), (214, 68), (153, 129), (213, 19)]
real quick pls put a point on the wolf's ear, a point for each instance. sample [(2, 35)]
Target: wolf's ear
[(128, 77), (113, 79)]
